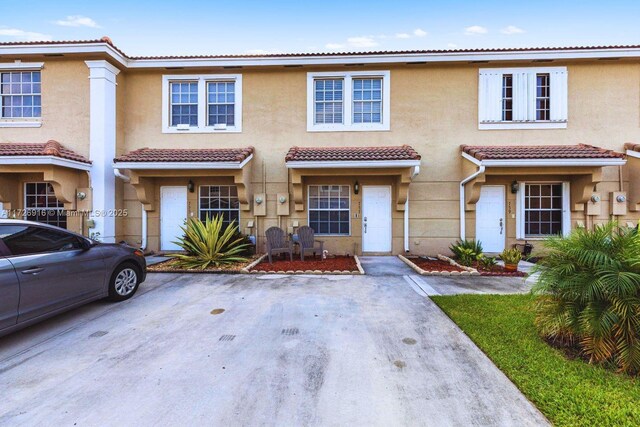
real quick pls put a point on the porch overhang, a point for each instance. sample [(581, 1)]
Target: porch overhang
[(49, 162), (401, 162), (633, 157), (580, 164), (146, 165)]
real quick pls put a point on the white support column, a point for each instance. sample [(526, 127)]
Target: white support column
[(102, 139)]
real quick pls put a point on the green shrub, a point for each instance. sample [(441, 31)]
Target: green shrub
[(487, 262), (511, 256), (207, 244), (467, 246), (466, 257), (589, 294)]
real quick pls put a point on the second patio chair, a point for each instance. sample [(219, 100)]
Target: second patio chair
[(306, 238), (277, 243)]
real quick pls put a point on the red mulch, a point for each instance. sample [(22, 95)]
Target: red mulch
[(330, 264), (497, 270), (434, 265)]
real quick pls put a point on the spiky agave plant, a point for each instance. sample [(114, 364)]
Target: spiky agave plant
[(208, 244), (589, 294)]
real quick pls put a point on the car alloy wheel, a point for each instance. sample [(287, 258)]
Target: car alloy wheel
[(126, 281)]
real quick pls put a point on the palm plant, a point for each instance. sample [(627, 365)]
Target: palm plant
[(208, 244), (466, 248), (589, 294)]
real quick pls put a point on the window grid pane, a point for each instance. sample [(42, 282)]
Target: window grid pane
[(216, 200), (542, 210), (328, 101), (184, 103), (329, 209), (20, 94), (41, 205), (367, 100), (543, 97), (221, 103), (507, 97)]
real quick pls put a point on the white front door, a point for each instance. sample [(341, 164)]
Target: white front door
[(376, 218), (173, 213), (490, 219)]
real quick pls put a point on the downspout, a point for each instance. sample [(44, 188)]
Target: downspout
[(143, 243), (416, 171), (480, 171)]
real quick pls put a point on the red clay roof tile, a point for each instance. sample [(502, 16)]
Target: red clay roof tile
[(631, 146), (49, 148), (186, 155), (302, 154), (512, 152)]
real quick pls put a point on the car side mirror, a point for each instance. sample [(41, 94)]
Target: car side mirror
[(85, 244)]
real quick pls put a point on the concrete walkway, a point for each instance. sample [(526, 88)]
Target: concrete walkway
[(242, 350)]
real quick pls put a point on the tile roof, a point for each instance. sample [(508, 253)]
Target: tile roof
[(631, 146), (304, 154), (49, 148), (513, 152), (107, 40), (186, 155)]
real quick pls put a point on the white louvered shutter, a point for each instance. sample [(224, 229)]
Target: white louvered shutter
[(490, 96), (558, 89)]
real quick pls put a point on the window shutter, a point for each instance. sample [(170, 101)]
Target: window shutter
[(558, 95), (490, 96), (524, 96)]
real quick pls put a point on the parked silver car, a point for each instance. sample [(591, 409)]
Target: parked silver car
[(45, 270)]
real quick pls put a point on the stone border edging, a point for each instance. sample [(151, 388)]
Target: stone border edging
[(312, 272), (467, 271)]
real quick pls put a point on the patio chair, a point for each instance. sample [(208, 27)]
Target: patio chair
[(306, 238), (277, 243)]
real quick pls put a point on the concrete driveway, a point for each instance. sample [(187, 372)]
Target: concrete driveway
[(318, 350)]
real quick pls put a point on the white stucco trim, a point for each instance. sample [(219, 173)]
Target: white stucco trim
[(522, 125), (4, 123), (19, 65), (352, 164), (44, 160), (102, 148), (633, 153), (182, 165), (566, 209)]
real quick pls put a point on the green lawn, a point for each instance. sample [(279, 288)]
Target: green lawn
[(568, 392)]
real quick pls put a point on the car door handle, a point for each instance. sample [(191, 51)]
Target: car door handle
[(33, 271)]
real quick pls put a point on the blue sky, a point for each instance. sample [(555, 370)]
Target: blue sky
[(251, 26)]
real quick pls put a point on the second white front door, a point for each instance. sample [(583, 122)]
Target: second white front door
[(376, 218), (173, 213), (490, 218)]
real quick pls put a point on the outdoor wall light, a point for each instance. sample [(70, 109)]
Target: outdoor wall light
[(595, 198), (258, 200), (515, 187), (621, 199), (356, 187), (282, 199), (191, 186), (81, 195)]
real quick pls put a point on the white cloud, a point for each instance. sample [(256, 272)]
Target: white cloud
[(403, 36), (24, 35), (77, 21), (418, 32), (364, 41), (511, 29), (452, 45), (475, 30)]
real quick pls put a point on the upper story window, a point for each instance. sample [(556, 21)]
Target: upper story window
[(348, 101), (522, 98), (20, 95), (202, 103)]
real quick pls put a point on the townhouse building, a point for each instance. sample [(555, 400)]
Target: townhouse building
[(381, 152)]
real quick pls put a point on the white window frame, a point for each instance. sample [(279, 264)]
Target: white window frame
[(347, 116), (209, 210), (566, 209), (328, 209), (202, 80), (22, 122), (490, 98)]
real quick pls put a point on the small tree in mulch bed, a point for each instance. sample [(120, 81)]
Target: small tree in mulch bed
[(208, 244)]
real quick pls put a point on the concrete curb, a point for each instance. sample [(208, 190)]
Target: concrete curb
[(245, 270), (467, 271), (360, 269)]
